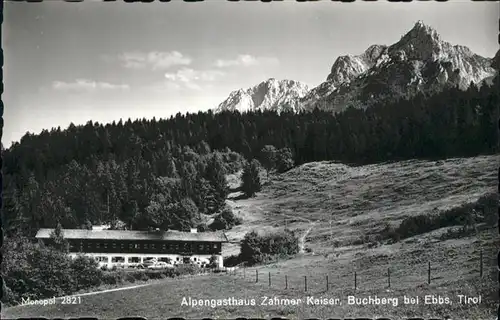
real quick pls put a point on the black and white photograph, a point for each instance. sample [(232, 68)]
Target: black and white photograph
[(247, 159)]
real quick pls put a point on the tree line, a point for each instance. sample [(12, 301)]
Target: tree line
[(169, 173)]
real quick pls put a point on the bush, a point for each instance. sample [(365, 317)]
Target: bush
[(130, 277), (86, 273), (113, 277), (202, 227), (8, 296), (284, 160), (232, 260), (140, 275), (257, 249), (213, 262), (225, 220), (35, 272), (186, 269), (170, 273), (233, 161), (467, 216)]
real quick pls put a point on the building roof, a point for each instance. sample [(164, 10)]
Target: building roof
[(170, 235)]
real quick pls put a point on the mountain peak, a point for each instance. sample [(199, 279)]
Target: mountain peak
[(419, 62), (422, 42), (270, 94), (420, 29)]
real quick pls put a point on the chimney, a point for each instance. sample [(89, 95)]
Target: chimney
[(194, 230)]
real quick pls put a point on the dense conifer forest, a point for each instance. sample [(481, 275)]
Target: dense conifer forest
[(169, 173)]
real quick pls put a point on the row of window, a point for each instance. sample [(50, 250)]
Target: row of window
[(118, 259), (164, 247)]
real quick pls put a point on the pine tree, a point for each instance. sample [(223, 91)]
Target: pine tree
[(216, 176), (268, 157), (58, 240), (250, 178), (284, 160)]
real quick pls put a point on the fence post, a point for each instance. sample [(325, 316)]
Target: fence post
[(389, 276), (256, 275), (286, 282), (429, 273), (269, 278), (326, 282), (305, 283), (355, 280), (481, 263)]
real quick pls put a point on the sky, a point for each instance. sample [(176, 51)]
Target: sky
[(75, 62)]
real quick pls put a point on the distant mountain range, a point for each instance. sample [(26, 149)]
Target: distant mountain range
[(271, 94), (420, 62)]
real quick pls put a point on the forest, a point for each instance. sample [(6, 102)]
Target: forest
[(169, 173)]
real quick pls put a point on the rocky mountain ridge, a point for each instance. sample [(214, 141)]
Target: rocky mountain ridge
[(419, 62), (272, 94)]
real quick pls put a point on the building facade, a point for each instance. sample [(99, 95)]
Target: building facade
[(128, 248)]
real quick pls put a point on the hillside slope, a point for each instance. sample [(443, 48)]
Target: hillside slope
[(357, 200), (362, 199)]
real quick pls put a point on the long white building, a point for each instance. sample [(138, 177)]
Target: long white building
[(128, 248)]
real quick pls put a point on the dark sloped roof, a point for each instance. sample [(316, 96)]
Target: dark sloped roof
[(44, 233)]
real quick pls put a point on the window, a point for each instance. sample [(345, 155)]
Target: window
[(145, 246), (215, 245), (130, 246), (165, 259), (178, 259), (105, 245), (114, 245), (201, 247), (164, 247), (98, 245), (101, 259), (153, 246), (118, 259), (134, 259), (136, 246), (122, 246)]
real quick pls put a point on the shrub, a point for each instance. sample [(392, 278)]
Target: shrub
[(257, 249), (213, 262), (130, 277), (284, 160), (232, 260), (140, 275), (233, 161), (467, 216), (113, 277), (85, 272), (225, 220), (169, 273), (185, 269), (202, 227), (8, 296), (31, 271)]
